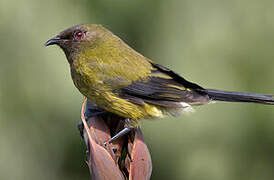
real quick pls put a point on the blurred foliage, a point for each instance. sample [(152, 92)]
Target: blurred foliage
[(224, 44)]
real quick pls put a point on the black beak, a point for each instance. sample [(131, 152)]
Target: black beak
[(52, 41)]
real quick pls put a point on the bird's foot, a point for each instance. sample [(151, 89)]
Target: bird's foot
[(119, 135)]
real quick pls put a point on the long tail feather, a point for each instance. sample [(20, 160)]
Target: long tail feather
[(231, 96)]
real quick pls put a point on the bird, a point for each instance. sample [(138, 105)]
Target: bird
[(119, 80)]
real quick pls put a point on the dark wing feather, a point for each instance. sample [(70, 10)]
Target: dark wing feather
[(164, 88), (177, 78)]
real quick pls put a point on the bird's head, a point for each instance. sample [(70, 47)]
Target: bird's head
[(77, 38)]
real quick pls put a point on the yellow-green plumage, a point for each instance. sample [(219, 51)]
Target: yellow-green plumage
[(97, 73), (120, 80)]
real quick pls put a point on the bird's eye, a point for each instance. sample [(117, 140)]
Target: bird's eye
[(79, 35)]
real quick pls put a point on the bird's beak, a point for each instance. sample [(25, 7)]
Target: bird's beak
[(52, 41)]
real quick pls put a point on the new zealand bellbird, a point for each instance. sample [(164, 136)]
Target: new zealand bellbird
[(120, 80)]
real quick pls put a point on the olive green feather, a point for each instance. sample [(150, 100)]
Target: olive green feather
[(120, 80)]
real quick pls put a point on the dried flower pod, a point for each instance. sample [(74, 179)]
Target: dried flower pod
[(126, 158)]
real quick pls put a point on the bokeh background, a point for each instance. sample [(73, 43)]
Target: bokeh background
[(223, 44)]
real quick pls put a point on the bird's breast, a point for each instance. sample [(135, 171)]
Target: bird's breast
[(84, 80)]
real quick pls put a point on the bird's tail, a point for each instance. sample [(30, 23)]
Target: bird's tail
[(231, 96)]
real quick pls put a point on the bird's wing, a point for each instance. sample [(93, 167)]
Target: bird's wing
[(165, 88)]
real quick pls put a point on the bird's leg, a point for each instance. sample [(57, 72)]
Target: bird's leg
[(121, 133)]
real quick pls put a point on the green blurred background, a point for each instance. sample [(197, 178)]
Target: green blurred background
[(223, 44)]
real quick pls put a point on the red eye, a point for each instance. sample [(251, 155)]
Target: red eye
[(79, 35)]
